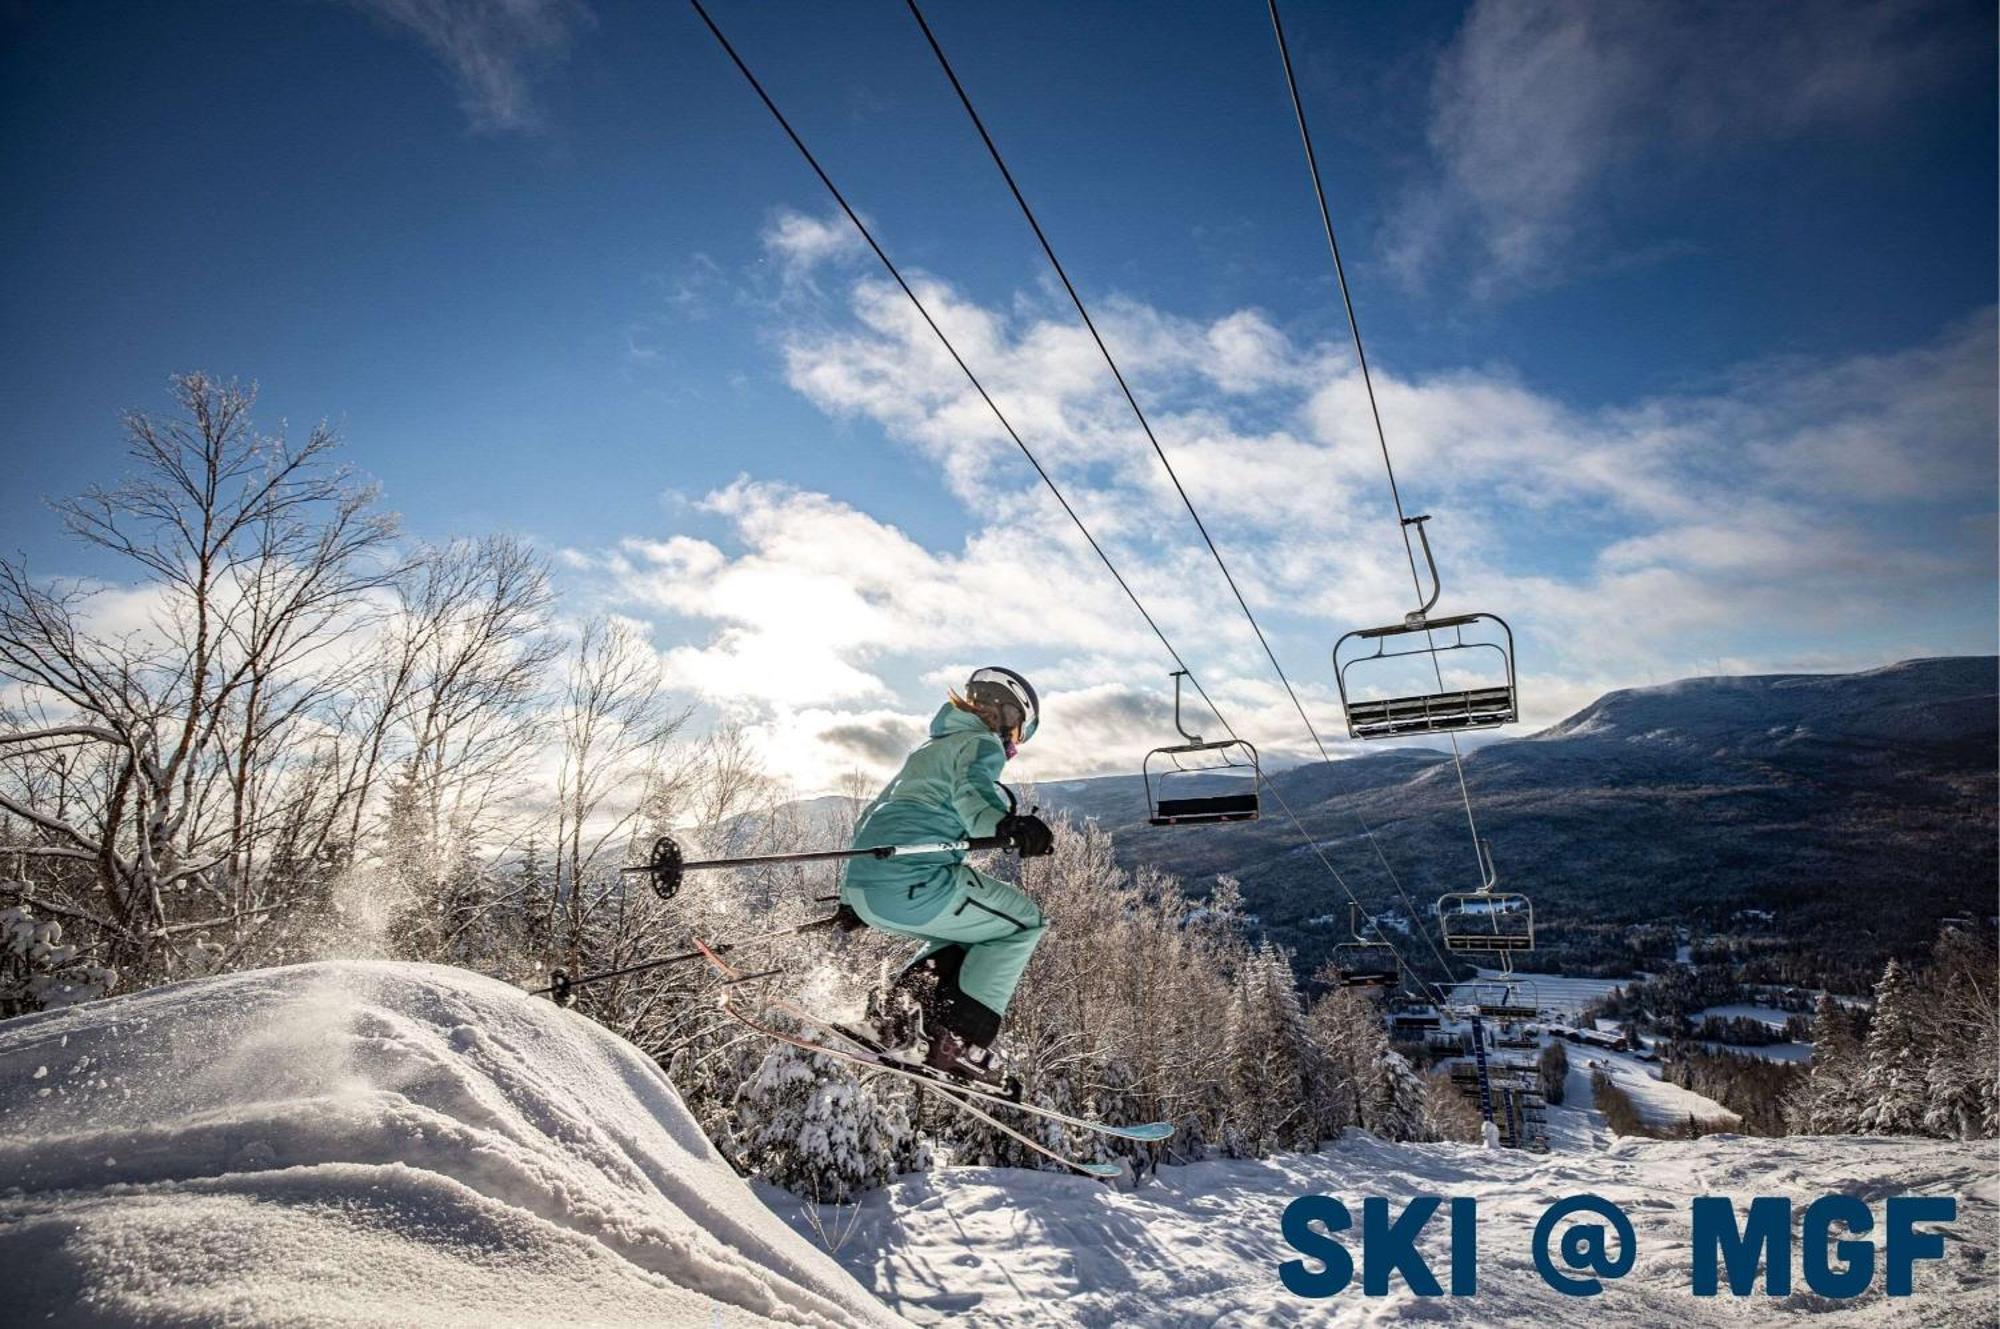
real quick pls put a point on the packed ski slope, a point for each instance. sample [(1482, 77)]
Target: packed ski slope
[(1658, 1102), (1200, 1245), (373, 1144)]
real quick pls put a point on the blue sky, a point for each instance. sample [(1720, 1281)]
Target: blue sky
[(1683, 317)]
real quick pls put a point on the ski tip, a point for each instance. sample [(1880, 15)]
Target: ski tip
[(1150, 1132), (1102, 1171)]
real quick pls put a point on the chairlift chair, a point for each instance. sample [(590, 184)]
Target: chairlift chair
[(1483, 997), (1362, 963), (1181, 778), (1486, 920), (1519, 1001), (1436, 709)]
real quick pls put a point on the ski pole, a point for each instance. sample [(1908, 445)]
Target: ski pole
[(562, 985), (666, 865)]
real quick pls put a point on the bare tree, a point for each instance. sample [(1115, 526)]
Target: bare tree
[(454, 717), (613, 724), (155, 750)]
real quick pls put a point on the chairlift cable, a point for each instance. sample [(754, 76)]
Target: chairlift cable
[(1367, 382), (1048, 480), (1132, 400)]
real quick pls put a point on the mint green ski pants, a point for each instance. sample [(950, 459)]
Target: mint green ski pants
[(955, 905)]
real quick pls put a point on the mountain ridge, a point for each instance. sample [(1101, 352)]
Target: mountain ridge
[(1675, 804)]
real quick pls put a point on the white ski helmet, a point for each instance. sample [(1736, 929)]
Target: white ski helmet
[(1013, 695)]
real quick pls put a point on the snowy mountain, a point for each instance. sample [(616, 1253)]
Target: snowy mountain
[(391, 1144), (1816, 796)]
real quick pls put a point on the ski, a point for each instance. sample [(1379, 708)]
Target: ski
[(862, 1054), (963, 1102)]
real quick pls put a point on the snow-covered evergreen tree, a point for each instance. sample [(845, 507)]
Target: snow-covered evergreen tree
[(1962, 1065), (1267, 1055), (1399, 1105), (39, 970), (1358, 1080), (1827, 1101), (1894, 1061), (808, 1124)]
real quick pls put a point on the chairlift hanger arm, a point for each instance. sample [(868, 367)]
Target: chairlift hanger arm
[(1430, 561)]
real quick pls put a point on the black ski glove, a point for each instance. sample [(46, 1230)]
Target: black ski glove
[(1031, 835)]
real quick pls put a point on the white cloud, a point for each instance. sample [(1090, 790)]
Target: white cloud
[(1538, 106), (493, 49), (803, 243), (1787, 514)]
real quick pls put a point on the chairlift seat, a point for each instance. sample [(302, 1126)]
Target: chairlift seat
[(1445, 711), (1486, 941), (1367, 966), (1205, 811), (1437, 713), (1473, 922)]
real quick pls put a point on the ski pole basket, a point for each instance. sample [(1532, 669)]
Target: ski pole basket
[(1393, 680), (1201, 783), (664, 868)]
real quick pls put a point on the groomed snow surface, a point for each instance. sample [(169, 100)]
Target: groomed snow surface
[(373, 1144), (406, 1145), (1200, 1245)]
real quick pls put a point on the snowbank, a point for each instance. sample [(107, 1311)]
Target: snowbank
[(1201, 1247), (373, 1144)]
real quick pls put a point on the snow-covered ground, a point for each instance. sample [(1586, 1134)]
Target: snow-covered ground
[(1559, 996), (1201, 1245), (1769, 1016), (372, 1144), (408, 1145), (1799, 1052), (1657, 1102)]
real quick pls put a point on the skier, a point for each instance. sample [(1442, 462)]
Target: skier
[(980, 931)]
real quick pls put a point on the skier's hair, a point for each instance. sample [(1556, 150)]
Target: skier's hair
[(989, 714)]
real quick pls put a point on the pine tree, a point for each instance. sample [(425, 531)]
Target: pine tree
[(805, 1122), (1267, 1056), (1826, 1102), (1962, 1093), (1401, 1101), (1894, 1062), (1553, 1070)]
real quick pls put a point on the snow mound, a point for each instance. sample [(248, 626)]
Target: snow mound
[(1201, 1246), (352, 1143)]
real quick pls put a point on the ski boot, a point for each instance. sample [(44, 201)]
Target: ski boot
[(953, 1056), (898, 1016)]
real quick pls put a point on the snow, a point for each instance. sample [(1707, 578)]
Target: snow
[(1200, 1246), (373, 1144), (1770, 1016), (379, 1144), (1556, 994), (1797, 1052), (1657, 1102)]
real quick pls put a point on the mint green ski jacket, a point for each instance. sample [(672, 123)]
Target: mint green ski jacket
[(948, 789)]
